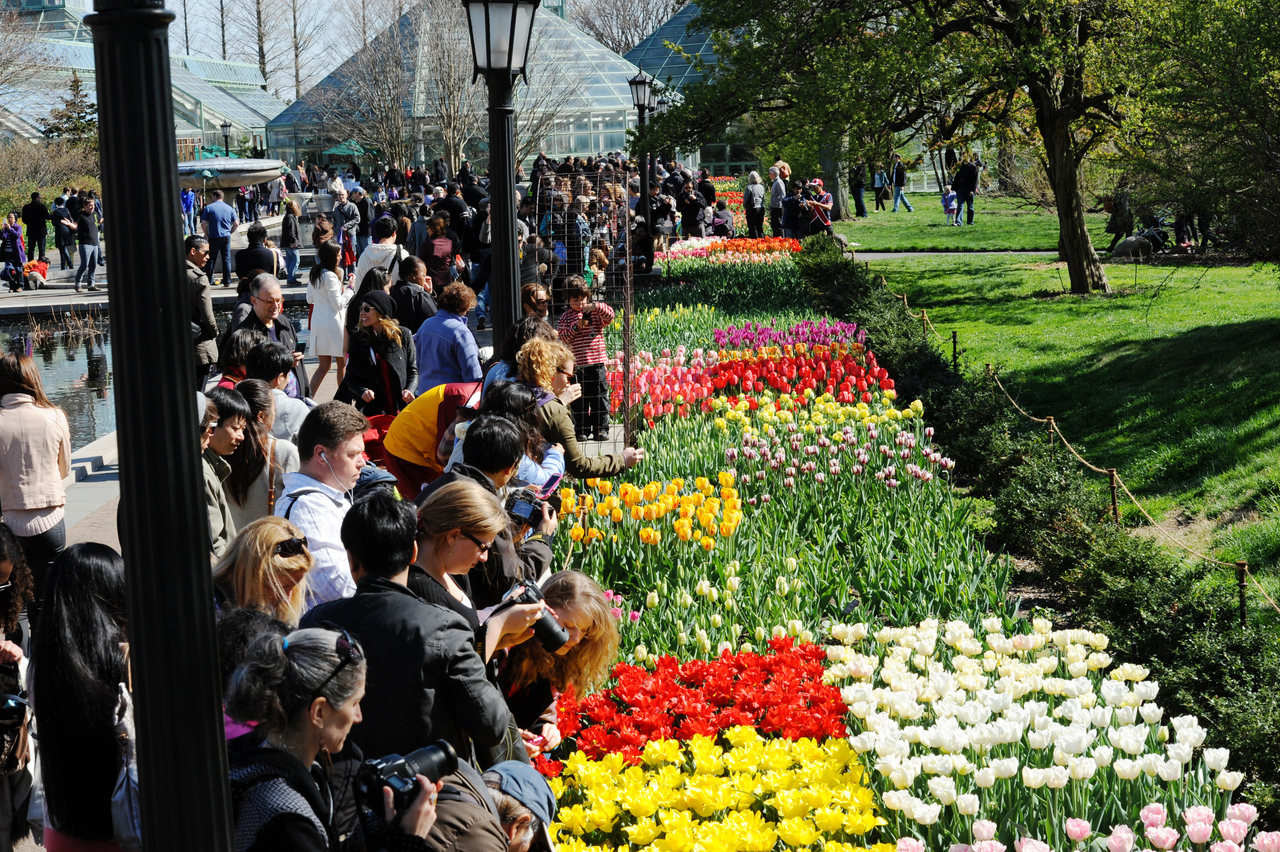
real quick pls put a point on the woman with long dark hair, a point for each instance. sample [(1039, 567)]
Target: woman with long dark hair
[(329, 298), (16, 591), (261, 460), (78, 666), (35, 455), (382, 371)]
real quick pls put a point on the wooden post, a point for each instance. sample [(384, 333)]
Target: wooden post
[(1242, 568), (1115, 504), (955, 354), (1048, 428)]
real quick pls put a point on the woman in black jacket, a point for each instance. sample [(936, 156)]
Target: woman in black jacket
[(382, 370), (290, 240), (305, 689)]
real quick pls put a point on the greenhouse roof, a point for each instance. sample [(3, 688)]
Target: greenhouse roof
[(664, 63)]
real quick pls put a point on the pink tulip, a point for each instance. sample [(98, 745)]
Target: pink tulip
[(1199, 832), (910, 844), (1233, 830), (988, 846), (1162, 837), (983, 829), (615, 612), (1078, 829), (1244, 812), (1154, 815), (1267, 841), (1226, 846), (960, 847), (1199, 813), (635, 616), (1121, 839), (1030, 844)]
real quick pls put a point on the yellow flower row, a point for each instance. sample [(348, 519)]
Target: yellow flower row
[(715, 516), (702, 794)]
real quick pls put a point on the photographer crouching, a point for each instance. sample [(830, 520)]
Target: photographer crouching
[(508, 809), (305, 688)]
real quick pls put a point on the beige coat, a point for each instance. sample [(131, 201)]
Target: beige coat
[(35, 454)]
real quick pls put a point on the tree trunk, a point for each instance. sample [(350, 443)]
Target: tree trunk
[(835, 175), (1074, 246)]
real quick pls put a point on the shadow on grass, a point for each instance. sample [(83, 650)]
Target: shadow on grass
[(1172, 412)]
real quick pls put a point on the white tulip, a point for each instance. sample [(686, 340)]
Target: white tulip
[(967, 804), (1216, 758), (927, 814), (1151, 764), (1005, 767), (1126, 715), (961, 765), (1082, 768), (1038, 739), (1102, 756), (1229, 780), (992, 624), (1170, 770), (1181, 752), (1151, 714), (1193, 737), (1128, 769), (1146, 690), (1100, 717), (1079, 669), (1056, 777), (895, 799), (1033, 777), (943, 789), (985, 777)]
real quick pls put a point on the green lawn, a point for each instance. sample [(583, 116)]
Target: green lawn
[(1000, 224), (1175, 381)]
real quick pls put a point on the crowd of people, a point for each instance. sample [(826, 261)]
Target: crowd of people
[(76, 219)]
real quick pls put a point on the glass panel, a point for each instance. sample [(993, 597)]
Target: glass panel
[(523, 31), (500, 21), (476, 13)]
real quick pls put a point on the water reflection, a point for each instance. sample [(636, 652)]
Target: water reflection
[(76, 368)]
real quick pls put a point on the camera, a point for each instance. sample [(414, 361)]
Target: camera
[(435, 761), (524, 506), (546, 629)]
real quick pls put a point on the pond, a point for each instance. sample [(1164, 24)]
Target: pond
[(75, 366)]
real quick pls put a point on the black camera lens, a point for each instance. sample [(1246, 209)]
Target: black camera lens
[(435, 761), (549, 632)]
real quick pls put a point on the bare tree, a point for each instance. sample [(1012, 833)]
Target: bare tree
[(367, 100), (545, 102), (450, 104), (621, 24), (22, 58), (260, 27), (305, 30)]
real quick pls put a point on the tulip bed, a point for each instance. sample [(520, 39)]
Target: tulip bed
[(818, 651)]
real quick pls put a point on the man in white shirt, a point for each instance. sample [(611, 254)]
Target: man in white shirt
[(317, 497)]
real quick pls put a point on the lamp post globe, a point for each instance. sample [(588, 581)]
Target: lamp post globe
[(226, 138), (500, 34)]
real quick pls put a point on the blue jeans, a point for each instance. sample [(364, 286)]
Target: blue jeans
[(89, 261), (900, 194), (362, 243), (291, 265), (966, 199), (859, 206), (219, 247)]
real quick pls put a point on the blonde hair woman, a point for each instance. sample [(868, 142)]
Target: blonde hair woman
[(531, 678), (547, 367), (265, 567)]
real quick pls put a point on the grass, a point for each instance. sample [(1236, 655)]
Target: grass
[(1000, 224), (1174, 380)]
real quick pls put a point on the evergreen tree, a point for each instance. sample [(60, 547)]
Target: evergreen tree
[(77, 119)]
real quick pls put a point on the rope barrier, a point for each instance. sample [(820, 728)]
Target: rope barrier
[(1243, 567), (924, 314)]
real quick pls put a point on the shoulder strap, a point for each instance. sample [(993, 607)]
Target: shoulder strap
[(271, 478), (294, 498)]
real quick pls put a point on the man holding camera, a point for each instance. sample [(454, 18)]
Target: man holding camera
[(507, 809), (491, 454), (818, 203)]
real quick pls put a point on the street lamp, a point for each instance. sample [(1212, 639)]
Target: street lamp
[(226, 138), (642, 94), (500, 33)]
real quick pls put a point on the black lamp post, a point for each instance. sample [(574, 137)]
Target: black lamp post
[(642, 95), (163, 522), (500, 33), (226, 138)]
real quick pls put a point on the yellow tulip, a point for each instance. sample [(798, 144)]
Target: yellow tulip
[(616, 516), (576, 533), (604, 486)]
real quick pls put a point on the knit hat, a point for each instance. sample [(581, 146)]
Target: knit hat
[(380, 301)]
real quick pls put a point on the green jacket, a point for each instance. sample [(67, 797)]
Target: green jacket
[(556, 422), (222, 528)]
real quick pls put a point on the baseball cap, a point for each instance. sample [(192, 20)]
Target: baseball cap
[(526, 785), (816, 181)]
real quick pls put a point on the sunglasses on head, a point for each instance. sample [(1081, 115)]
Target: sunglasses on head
[(348, 652), (291, 547)]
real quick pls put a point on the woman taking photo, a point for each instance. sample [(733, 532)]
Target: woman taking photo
[(382, 372), (260, 461), (547, 367), (532, 679), (513, 401), (35, 455), (78, 666), (305, 690), (265, 567), (329, 299)]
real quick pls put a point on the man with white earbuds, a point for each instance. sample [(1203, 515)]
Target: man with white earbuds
[(317, 497)]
